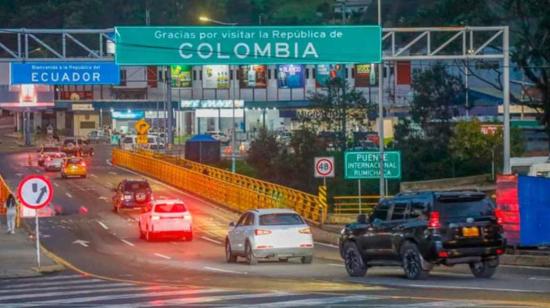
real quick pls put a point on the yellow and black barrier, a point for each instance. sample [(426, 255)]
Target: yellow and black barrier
[(235, 191)]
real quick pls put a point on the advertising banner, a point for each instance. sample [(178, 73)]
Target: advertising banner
[(215, 77), (290, 76), (534, 208), (247, 45), (328, 72), (365, 75), (65, 73), (181, 76), (252, 76)]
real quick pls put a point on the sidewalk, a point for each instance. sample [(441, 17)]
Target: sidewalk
[(18, 255)]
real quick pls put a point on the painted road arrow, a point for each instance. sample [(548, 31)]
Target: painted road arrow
[(81, 242)]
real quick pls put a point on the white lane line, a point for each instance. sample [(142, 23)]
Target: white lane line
[(539, 278), (527, 267), (211, 240), (93, 175), (469, 288), (334, 264), (112, 172), (69, 195), (127, 243), (323, 301), (152, 294), (193, 300), (67, 287), (51, 283), (327, 245), (103, 198), (19, 174), (224, 270), (162, 256), (55, 184), (108, 162), (104, 226)]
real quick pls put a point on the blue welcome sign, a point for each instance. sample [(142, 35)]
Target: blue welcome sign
[(65, 73)]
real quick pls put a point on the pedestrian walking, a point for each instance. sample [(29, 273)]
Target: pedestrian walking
[(11, 212)]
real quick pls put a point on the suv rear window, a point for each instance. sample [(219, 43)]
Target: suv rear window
[(132, 186), (74, 161), (454, 208), (285, 219), (170, 208), (127, 140)]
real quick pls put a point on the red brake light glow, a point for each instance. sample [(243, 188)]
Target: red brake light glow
[(443, 254), (499, 251), (262, 232), (433, 222)]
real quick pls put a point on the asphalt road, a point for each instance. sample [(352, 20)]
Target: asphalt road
[(88, 234)]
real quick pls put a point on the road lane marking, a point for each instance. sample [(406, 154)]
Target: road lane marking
[(55, 184), (19, 174), (96, 285), (81, 242), (193, 300), (468, 288), (527, 267), (221, 270), (334, 264), (108, 162), (127, 243), (319, 301), (93, 175), (104, 226), (211, 240), (327, 245), (103, 198), (112, 172), (106, 289), (539, 278), (68, 195), (162, 256), (57, 284)]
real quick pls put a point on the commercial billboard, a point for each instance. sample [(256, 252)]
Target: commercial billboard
[(290, 76), (328, 72), (365, 75), (253, 76), (65, 73), (247, 45), (26, 96), (215, 77), (181, 76)]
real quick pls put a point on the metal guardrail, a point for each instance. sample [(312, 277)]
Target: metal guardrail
[(354, 204), (235, 191)]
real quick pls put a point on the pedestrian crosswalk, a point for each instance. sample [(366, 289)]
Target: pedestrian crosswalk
[(73, 290)]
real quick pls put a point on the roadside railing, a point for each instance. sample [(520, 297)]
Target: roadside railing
[(354, 204), (235, 191)]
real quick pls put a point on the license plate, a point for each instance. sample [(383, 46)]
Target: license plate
[(470, 231)]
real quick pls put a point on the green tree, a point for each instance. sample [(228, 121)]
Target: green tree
[(263, 154)]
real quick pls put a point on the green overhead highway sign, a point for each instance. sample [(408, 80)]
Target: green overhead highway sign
[(247, 45), (366, 165)]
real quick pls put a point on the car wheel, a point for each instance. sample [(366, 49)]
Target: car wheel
[(307, 259), (250, 258), (412, 262), (353, 260), (483, 269), (229, 256)]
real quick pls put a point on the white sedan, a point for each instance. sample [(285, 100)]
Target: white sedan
[(54, 161), (166, 218), (270, 234)]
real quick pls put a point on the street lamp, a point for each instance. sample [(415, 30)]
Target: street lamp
[(233, 130)]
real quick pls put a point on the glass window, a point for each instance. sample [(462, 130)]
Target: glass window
[(381, 211), (457, 208), (170, 208), (283, 219), (249, 220), (418, 209), (74, 161), (399, 210), (241, 220)]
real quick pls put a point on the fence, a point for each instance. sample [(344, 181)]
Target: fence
[(238, 192), (354, 204)]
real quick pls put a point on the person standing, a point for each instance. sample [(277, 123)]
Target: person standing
[(11, 213)]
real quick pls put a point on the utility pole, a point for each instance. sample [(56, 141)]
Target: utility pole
[(381, 113), (170, 110)]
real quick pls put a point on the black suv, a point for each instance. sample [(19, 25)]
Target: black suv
[(132, 194), (419, 230)]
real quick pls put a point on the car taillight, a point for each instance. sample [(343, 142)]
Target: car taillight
[(433, 222), (155, 217), (499, 214), (262, 232), (305, 230), (499, 251), (127, 197), (83, 164), (443, 254)]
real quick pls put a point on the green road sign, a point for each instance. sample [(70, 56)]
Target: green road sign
[(247, 45), (366, 165)]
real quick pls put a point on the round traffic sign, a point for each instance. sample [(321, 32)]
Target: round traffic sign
[(324, 167), (35, 191)]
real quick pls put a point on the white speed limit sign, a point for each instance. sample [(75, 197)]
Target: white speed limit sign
[(324, 167)]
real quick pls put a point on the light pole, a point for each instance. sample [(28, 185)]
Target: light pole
[(233, 85), (381, 113)]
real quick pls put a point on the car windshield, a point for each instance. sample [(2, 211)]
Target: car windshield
[(455, 208), (74, 161), (69, 141), (283, 219), (132, 186), (170, 208), (127, 140)]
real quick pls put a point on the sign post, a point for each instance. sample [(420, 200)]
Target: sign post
[(35, 192)]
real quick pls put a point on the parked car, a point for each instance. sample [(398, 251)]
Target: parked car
[(271, 234), (70, 147), (420, 230), (132, 194), (220, 136), (166, 218)]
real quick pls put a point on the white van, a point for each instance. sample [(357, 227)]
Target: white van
[(128, 142)]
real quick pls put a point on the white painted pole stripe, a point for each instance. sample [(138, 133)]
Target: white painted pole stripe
[(223, 270), (211, 240), (61, 283), (317, 301), (69, 287), (162, 256), (104, 226), (127, 242), (155, 294)]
